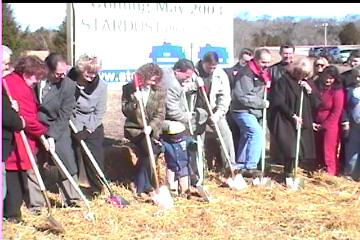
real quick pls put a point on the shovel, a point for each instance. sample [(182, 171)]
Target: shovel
[(162, 196), (89, 215), (295, 183), (54, 225), (115, 200), (236, 181), (263, 181), (202, 190)]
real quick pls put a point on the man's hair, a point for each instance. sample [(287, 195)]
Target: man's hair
[(53, 59), (183, 65), (31, 65), (289, 45), (260, 51), (247, 51), (210, 57)]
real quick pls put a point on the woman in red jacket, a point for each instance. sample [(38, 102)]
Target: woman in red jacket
[(327, 119), (28, 71)]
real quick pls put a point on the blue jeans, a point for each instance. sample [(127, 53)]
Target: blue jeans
[(250, 141), (352, 152)]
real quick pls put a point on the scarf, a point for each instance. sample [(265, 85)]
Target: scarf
[(262, 74)]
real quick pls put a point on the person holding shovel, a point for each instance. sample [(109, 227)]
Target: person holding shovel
[(57, 98), (285, 102), (20, 83), (217, 87), (154, 98), (182, 90), (87, 116), (247, 108)]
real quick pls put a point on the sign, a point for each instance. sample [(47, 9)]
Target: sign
[(127, 35)]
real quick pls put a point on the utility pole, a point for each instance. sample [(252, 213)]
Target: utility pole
[(70, 33), (325, 25)]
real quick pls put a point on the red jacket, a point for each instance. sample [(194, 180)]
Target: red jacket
[(329, 112), (28, 109)]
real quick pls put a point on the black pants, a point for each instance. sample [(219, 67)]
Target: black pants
[(144, 177), (95, 144), (16, 182)]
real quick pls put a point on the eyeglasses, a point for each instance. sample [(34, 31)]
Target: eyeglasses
[(59, 75)]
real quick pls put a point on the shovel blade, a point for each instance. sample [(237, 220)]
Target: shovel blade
[(163, 198), (294, 183), (204, 193), (55, 225), (262, 181), (237, 183)]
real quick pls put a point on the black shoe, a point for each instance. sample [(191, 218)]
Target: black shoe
[(35, 211), (251, 173), (74, 204)]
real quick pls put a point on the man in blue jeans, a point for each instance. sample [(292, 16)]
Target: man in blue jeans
[(246, 108)]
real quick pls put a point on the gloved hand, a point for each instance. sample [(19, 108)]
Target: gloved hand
[(51, 142), (82, 135), (137, 95), (147, 130), (215, 117), (266, 104)]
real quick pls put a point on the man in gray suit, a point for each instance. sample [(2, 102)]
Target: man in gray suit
[(57, 98)]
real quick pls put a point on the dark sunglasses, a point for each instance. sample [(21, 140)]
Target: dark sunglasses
[(320, 65)]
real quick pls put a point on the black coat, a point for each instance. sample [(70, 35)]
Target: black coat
[(11, 122), (284, 103)]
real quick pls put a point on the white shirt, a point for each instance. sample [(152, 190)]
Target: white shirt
[(145, 94)]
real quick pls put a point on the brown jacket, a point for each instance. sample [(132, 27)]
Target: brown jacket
[(154, 110)]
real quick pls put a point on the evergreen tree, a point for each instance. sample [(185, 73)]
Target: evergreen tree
[(11, 31), (349, 34)]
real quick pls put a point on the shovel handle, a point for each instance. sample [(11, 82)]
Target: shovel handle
[(298, 133), (62, 167), (147, 136), (263, 150), (217, 130), (92, 159)]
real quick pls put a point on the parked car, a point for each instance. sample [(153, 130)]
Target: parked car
[(332, 53), (345, 54)]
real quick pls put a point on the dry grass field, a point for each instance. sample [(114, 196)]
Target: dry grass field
[(327, 208)]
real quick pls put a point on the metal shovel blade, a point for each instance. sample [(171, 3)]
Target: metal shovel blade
[(262, 181), (55, 225), (90, 216), (294, 183), (204, 193), (163, 198), (237, 183)]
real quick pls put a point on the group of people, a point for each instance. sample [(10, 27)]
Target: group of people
[(40, 98), (191, 96), (178, 104)]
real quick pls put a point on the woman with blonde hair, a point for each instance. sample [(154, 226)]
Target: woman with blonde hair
[(320, 64), (89, 111), (284, 104)]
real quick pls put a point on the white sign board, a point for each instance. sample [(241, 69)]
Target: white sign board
[(127, 35)]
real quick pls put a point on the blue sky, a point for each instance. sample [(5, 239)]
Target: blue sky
[(51, 15)]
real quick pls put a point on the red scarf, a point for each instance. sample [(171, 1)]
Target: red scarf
[(262, 74)]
